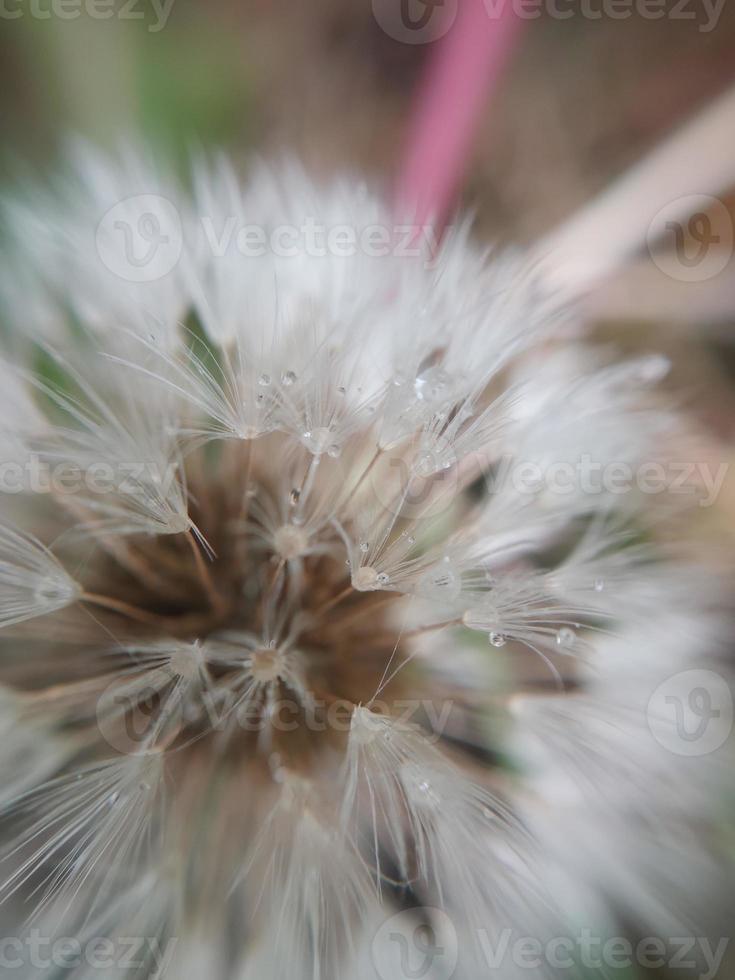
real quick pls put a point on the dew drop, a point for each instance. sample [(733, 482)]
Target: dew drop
[(288, 378), (317, 440), (419, 789), (441, 582), (334, 451), (497, 639), (432, 385), (383, 578), (599, 585), (425, 464), (364, 547), (294, 497), (653, 367), (565, 637), (264, 380)]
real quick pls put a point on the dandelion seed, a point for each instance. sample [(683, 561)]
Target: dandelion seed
[(34, 583)]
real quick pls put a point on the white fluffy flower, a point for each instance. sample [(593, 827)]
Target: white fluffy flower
[(300, 628)]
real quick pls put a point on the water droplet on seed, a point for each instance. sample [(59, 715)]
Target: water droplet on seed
[(441, 582), (565, 637), (317, 440)]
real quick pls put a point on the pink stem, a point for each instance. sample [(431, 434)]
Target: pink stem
[(462, 72)]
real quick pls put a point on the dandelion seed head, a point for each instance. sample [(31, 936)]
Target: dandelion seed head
[(305, 537), (186, 661), (267, 665)]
